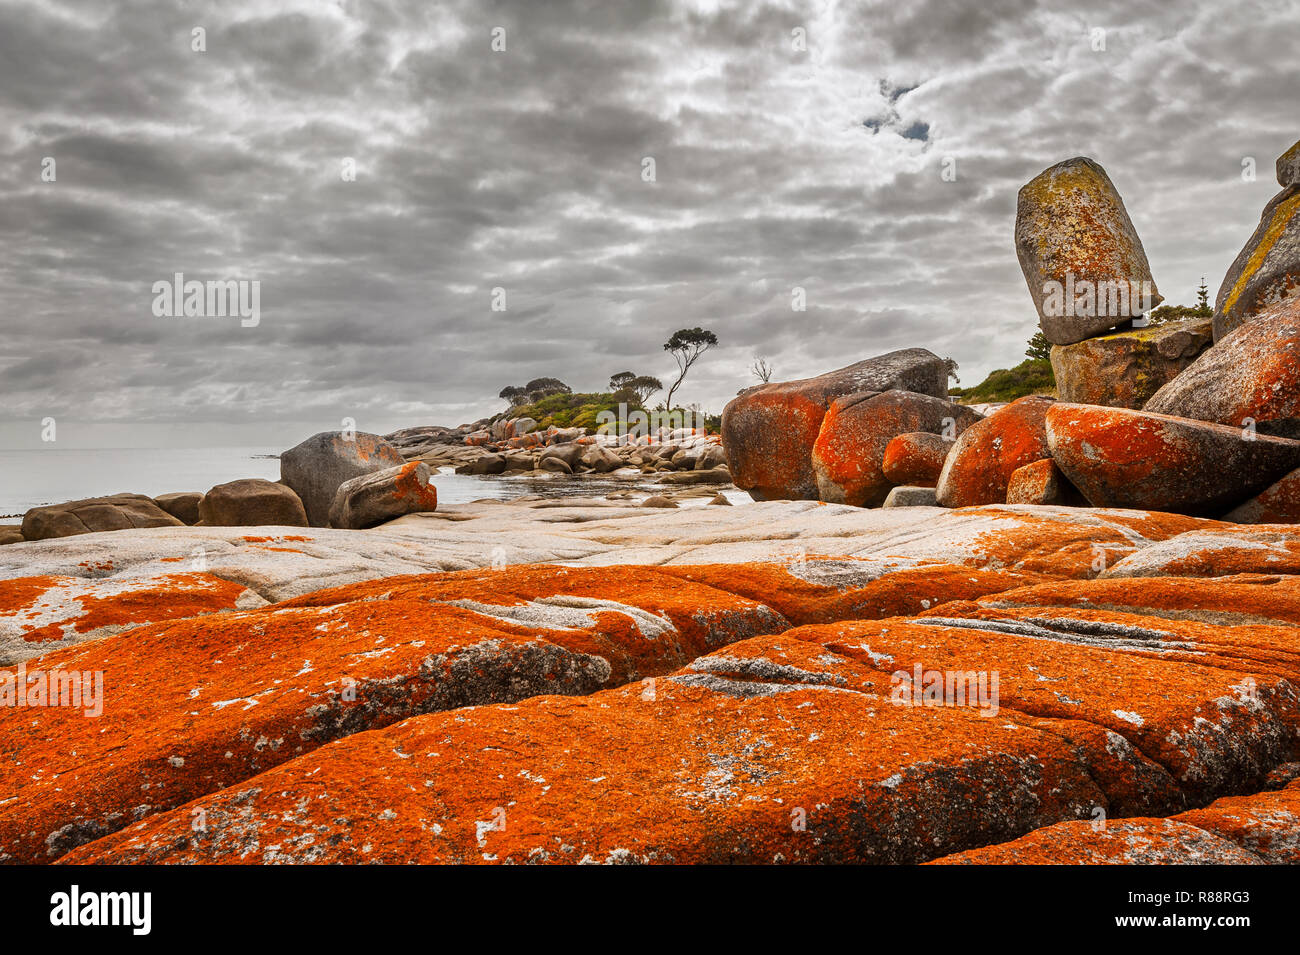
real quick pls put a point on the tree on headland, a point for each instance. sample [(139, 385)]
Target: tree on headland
[(635, 386), (761, 369), (1203, 299), (950, 364), (514, 394), (687, 345), (1040, 349), (534, 391), (539, 388)]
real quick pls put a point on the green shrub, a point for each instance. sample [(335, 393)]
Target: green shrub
[(1033, 376)]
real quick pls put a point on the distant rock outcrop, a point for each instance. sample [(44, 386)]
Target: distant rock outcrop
[(316, 467)]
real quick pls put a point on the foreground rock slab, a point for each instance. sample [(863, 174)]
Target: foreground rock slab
[(1262, 829), (786, 747)]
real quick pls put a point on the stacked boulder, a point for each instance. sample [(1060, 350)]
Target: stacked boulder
[(1180, 418), (1217, 438), (1090, 280)]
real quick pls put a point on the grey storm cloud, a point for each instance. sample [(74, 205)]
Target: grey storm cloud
[(795, 144)]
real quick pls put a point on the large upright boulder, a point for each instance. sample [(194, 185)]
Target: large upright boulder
[(115, 512), (1267, 270), (1135, 459), (1081, 257), (251, 502), (1253, 374), (316, 467), (385, 495), (848, 455), (1124, 369), (978, 469), (769, 431)]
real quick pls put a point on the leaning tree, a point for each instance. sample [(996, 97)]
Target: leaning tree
[(687, 345)]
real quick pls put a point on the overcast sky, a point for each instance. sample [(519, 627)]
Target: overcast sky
[(775, 166)]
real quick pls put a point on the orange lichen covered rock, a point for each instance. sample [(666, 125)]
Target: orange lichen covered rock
[(1216, 553), (773, 750), (1263, 828), (1279, 503), (1211, 730), (848, 456), (980, 465), (316, 467), (793, 747), (1228, 601), (1043, 483), (1265, 824), (820, 590), (1249, 379), (1137, 459), (39, 614), (371, 499), (1081, 257), (1143, 841), (194, 706), (768, 431), (916, 458)]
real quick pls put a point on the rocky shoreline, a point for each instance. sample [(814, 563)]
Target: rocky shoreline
[(1051, 631)]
